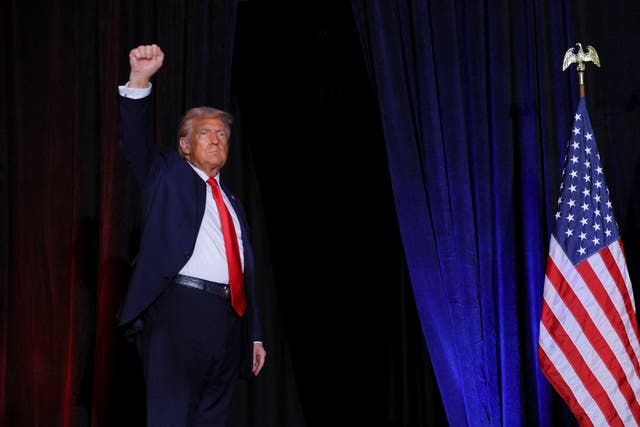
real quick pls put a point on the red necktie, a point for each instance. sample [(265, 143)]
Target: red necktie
[(236, 279)]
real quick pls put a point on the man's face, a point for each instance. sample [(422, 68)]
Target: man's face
[(207, 147)]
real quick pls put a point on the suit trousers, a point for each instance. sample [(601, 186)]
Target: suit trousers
[(190, 352)]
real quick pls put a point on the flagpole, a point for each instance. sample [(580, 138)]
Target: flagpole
[(580, 57)]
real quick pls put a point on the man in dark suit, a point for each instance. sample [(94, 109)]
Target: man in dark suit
[(196, 327)]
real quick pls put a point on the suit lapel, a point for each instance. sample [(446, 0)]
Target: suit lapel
[(201, 197)]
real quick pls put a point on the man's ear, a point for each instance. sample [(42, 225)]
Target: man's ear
[(184, 146)]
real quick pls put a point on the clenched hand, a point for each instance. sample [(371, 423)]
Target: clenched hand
[(145, 61)]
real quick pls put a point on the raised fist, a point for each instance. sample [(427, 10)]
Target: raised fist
[(145, 61)]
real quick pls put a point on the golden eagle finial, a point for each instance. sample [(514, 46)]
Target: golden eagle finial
[(580, 57)]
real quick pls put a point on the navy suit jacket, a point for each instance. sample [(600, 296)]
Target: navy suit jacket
[(173, 197)]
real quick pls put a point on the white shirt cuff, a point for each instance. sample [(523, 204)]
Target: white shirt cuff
[(134, 92)]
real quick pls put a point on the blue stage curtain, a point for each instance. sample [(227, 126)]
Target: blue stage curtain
[(476, 112)]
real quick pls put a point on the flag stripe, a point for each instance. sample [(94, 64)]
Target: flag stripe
[(619, 312), (614, 256), (621, 260), (548, 349), (591, 393)]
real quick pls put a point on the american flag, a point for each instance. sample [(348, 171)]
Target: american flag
[(588, 345)]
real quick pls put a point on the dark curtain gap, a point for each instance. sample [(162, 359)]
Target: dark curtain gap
[(356, 344)]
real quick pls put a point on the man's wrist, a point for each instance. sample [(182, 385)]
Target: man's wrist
[(138, 81)]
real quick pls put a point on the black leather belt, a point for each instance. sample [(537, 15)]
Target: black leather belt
[(215, 288)]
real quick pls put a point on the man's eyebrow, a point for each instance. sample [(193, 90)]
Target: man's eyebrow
[(211, 127)]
